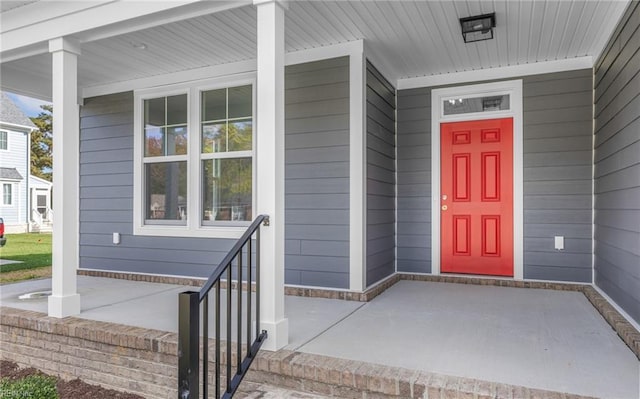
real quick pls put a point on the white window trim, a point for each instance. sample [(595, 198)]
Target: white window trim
[(194, 226), (514, 89), (7, 133), (14, 194)]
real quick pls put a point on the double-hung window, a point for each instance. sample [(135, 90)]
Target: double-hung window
[(7, 194), (194, 160), (4, 140), (226, 154), (165, 159)]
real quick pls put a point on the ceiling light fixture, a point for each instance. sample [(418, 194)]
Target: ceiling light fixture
[(479, 27)]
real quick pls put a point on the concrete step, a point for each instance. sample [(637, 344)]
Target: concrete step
[(45, 227)]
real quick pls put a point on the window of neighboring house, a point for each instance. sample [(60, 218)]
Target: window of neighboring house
[(7, 194), (4, 140), (195, 164)]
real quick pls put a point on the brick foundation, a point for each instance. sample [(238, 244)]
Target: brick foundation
[(114, 356)]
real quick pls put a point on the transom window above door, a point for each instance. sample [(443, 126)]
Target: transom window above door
[(470, 105)]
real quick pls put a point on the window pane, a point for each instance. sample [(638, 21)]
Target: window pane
[(227, 189), (154, 142), (240, 102), (214, 105), (177, 110), (477, 104), (177, 140), (240, 135), (214, 138), (166, 191), (3, 140), (154, 112), (6, 194)]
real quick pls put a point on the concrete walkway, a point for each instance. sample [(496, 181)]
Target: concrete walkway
[(552, 340)]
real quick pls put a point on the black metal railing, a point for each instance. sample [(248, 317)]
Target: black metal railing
[(192, 303)]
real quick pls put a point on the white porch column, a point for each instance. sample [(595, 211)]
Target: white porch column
[(357, 171), (65, 300), (270, 169)]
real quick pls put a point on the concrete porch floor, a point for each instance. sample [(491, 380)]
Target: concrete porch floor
[(544, 339)]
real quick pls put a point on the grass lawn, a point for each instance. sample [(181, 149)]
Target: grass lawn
[(33, 249)]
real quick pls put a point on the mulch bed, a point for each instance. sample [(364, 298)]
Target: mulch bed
[(74, 389)]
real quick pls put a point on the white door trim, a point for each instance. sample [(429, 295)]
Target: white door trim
[(514, 88)]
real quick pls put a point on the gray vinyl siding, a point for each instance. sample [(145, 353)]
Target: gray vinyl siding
[(558, 173), (317, 174), (617, 165), (381, 180), (557, 177), (316, 199), (414, 180), (106, 202)]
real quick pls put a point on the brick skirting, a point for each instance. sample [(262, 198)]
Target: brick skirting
[(144, 362), (114, 356)]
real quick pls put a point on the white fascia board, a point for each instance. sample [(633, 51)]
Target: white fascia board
[(205, 73), (101, 20), (32, 14), (17, 128), (507, 72), (195, 9), (191, 75)]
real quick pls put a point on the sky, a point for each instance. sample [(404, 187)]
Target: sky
[(30, 106)]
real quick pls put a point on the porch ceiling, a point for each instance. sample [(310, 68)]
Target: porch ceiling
[(7, 5), (405, 39)]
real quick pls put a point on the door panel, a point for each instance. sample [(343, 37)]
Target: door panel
[(477, 197)]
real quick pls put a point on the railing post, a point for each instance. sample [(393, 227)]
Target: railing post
[(188, 345)]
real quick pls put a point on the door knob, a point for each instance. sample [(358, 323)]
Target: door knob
[(444, 207)]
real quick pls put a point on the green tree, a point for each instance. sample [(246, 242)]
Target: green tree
[(42, 144)]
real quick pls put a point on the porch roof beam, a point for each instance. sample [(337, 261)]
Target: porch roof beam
[(26, 30)]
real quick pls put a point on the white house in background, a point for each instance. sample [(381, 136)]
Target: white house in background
[(26, 199), (40, 205)]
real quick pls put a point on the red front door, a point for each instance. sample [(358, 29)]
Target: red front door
[(477, 197)]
